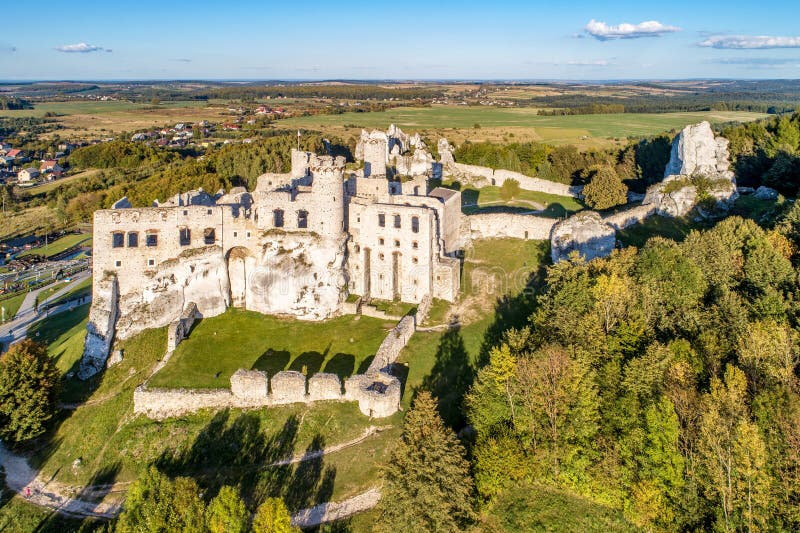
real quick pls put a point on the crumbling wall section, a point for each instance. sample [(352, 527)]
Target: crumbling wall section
[(179, 329), (100, 328), (479, 177), (498, 225)]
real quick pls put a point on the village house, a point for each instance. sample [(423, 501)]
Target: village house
[(51, 168), (27, 175)]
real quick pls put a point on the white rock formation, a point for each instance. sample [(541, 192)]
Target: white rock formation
[(584, 232), (696, 151), (100, 329), (445, 152)]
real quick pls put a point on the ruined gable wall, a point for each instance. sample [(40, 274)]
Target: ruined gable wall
[(485, 226), (474, 173)]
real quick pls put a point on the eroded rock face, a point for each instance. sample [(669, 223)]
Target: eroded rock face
[(100, 329), (198, 276), (585, 233), (299, 275), (669, 202), (696, 151)]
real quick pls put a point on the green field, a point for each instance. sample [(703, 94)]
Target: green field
[(63, 333), (556, 130), (220, 345), (488, 200), (84, 288), (12, 305), (93, 107), (56, 247)]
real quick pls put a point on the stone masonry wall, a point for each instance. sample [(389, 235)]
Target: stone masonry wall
[(393, 344), (497, 177), (493, 225)]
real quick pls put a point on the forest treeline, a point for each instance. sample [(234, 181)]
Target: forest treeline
[(344, 91), (642, 161), (145, 173), (661, 382), (14, 103)]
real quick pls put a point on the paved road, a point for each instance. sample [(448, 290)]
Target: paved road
[(16, 329)]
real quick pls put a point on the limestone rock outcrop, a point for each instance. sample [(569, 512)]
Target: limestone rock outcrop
[(696, 151), (100, 329), (586, 233), (445, 150), (197, 275)]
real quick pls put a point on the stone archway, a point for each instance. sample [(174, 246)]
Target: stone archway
[(241, 263)]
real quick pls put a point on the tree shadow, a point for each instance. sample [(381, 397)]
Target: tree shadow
[(272, 361), (341, 364), (307, 362), (451, 376), (364, 364), (237, 451)]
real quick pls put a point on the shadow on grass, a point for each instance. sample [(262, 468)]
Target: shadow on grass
[(238, 452), (308, 362), (341, 364), (272, 361)]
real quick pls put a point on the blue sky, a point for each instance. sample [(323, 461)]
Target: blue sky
[(579, 40)]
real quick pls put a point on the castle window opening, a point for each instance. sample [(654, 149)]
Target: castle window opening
[(151, 239), (415, 245), (356, 248), (209, 236), (117, 264), (397, 221), (380, 256), (302, 219), (208, 212), (380, 241), (117, 240), (248, 234), (185, 212), (414, 260), (185, 237), (235, 234), (382, 220), (277, 218), (396, 243), (133, 239), (151, 262), (415, 224)]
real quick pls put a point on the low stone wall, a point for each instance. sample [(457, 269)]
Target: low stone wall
[(179, 329), (374, 312), (377, 394), (423, 309), (629, 217), (495, 225), (497, 177), (393, 344)]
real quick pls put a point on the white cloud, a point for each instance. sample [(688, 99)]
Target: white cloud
[(758, 62), (750, 42), (648, 28), (80, 48)]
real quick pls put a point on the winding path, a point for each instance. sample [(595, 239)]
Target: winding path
[(27, 483)]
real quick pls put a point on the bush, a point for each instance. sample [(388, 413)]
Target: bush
[(510, 189), (604, 189)]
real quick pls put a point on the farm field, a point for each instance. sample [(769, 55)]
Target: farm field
[(98, 118), (523, 123), (342, 345)]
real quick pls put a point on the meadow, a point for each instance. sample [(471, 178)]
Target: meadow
[(522, 124), (218, 346)]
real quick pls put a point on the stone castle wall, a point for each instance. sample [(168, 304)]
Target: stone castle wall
[(495, 225), (393, 344), (474, 173)]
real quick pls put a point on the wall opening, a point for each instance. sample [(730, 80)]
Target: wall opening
[(209, 236), (117, 240), (277, 218), (302, 219), (185, 236), (133, 239)]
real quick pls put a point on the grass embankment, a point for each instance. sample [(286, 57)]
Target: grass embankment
[(220, 345), (29, 221), (12, 305), (458, 123), (227, 447), (56, 247), (488, 200)]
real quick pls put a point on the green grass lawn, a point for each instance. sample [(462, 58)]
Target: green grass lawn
[(558, 129), (64, 243), (12, 305), (394, 308), (84, 288), (487, 200), (501, 266), (230, 447), (63, 333), (219, 346), (50, 290)]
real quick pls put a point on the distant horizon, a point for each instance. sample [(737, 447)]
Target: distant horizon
[(11, 81)]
